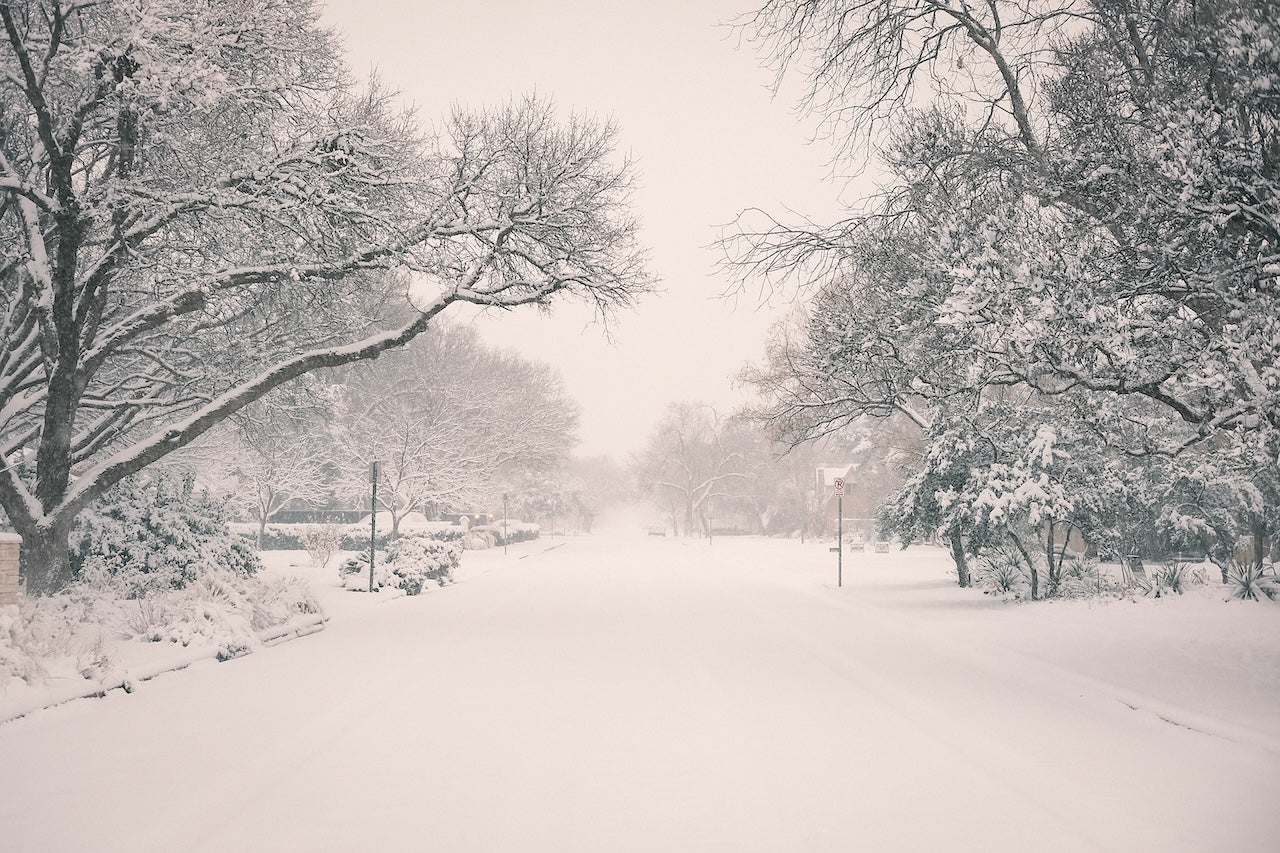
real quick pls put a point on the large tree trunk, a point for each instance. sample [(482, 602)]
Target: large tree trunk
[(957, 554), (46, 561)]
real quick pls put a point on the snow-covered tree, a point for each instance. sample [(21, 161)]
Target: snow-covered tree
[(689, 462), (271, 454), (199, 206), (447, 418), (1083, 205)]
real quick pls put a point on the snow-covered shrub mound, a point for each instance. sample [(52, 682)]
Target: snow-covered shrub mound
[(18, 658), (354, 572), (407, 564), (478, 540), (512, 532), (82, 631), (418, 559), (155, 533), (220, 609)]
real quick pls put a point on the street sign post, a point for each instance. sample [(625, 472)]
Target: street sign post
[(839, 531), (373, 521)]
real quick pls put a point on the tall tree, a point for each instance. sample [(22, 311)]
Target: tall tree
[(198, 207)]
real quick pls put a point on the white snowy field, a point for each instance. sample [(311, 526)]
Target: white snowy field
[(622, 692)]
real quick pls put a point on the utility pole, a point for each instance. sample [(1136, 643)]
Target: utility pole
[(373, 523)]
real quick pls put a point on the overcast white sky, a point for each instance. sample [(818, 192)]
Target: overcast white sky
[(696, 113)]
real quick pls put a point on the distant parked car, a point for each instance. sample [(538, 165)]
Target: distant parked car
[(657, 530)]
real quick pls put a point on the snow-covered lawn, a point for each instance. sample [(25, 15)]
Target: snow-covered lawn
[(624, 692)]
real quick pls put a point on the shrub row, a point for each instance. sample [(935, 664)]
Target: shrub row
[(354, 537)]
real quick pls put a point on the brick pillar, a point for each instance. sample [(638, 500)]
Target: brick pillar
[(10, 545)]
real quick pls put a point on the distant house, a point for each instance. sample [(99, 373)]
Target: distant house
[(859, 514)]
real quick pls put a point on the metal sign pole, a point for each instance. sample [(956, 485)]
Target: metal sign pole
[(373, 524), (839, 490), (505, 538), (840, 542)]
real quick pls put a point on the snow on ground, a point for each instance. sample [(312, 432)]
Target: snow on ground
[(625, 692)]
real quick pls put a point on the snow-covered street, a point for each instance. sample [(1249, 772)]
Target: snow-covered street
[(623, 692)]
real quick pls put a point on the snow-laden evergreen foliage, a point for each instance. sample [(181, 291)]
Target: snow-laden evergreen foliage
[(408, 564), (156, 533)]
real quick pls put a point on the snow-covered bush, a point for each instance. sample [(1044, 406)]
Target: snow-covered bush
[(354, 572), (275, 537), (355, 537), (156, 533), (66, 635), (478, 539), (1172, 576), (1081, 578), (418, 559), (19, 653), (1001, 573), (351, 537), (511, 532), (1252, 582), (322, 541), (408, 563)]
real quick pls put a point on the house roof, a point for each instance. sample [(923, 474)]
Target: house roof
[(830, 471)]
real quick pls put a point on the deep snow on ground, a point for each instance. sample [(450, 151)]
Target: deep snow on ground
[(624, 692)]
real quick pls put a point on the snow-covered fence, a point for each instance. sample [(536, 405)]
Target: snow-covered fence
[(10, 547)]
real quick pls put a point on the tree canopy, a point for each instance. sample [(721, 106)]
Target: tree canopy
[(1080, 228), (199, 205)]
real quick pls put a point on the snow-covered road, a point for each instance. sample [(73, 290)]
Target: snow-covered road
[(641, 694)]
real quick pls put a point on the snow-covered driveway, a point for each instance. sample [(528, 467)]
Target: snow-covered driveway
[(657, 695)]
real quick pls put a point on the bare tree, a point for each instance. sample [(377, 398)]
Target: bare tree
[(278, 453), (687, 463), (446, 416), (198, 207)]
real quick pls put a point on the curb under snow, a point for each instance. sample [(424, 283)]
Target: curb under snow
[(181, 658)]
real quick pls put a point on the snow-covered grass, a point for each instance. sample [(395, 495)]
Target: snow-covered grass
[(1203, 655), (624, 692)]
